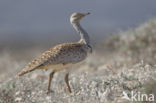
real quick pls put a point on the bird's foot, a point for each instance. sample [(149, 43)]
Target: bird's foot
[(49, 91), (67, 90)]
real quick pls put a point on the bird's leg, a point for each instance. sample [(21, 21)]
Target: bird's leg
[(50, 78), (67, 82)]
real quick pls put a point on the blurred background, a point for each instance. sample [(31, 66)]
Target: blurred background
[(46, 22), (29, 27)]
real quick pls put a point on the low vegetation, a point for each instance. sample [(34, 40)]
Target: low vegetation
[(125, 63)]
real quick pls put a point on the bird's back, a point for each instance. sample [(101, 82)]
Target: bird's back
[(67, 53)]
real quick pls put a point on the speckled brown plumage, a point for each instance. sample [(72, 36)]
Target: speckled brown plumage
[(61, 54), (64, 55)]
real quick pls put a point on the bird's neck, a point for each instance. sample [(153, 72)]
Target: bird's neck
[(83, 34)]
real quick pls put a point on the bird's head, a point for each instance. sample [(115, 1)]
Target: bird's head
[(76, 17)]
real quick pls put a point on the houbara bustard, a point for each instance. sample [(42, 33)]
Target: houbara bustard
[(64, 55)]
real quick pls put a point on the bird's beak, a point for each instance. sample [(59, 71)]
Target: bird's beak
[(86, 14)]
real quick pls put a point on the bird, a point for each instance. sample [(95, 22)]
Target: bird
[(62, 56)]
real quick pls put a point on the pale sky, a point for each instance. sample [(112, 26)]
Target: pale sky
[(32, 19)]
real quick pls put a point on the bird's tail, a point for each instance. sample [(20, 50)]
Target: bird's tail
[(35, 64), (25, 71), (29, 68)]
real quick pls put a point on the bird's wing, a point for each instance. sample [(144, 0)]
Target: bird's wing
[(67, 53), (60, 54), (43, 59)]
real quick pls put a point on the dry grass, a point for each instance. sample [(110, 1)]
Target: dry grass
[(125, 63)]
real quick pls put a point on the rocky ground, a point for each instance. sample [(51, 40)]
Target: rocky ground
[(122, 64)]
